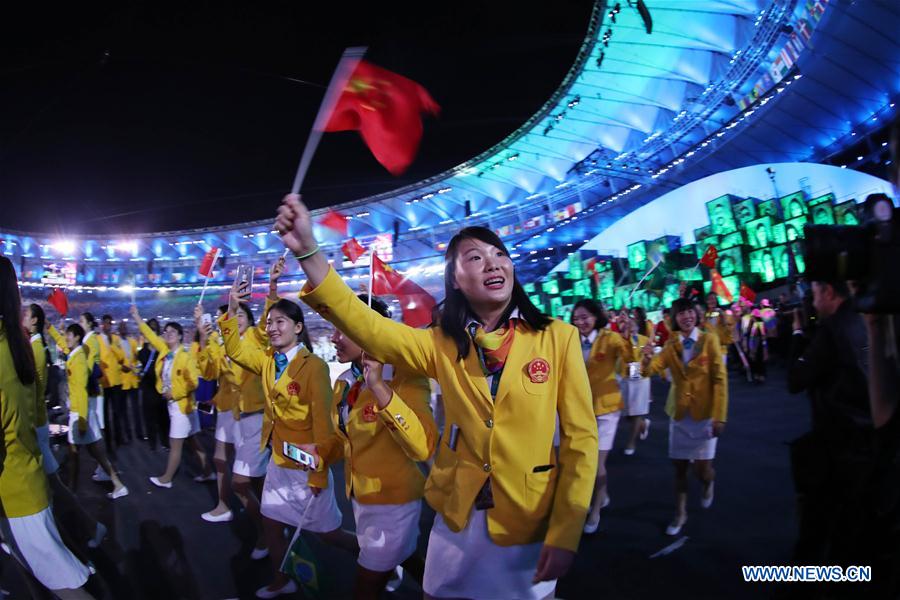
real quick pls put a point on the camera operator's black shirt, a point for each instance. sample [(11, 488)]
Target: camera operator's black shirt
[(832, 368)]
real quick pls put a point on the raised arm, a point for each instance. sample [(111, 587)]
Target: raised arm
[(245, 353), (157, 342), (403, 406), (59, 338)]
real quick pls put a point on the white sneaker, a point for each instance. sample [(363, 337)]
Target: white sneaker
[(707, 499), (396, 579), (205, 478), (628, 452), (646, 431), (289, 588), (95, 541), (675, 526), (223, 518), (155, 481), (119, 493), (259, 553), (100, 475), (591, 527)]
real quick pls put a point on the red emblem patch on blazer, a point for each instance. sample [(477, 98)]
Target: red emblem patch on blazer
[(600, 356), (226, 330), (369, 415), (538, 370), (293, 388), (701, 360)]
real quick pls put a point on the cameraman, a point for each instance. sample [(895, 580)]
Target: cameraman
[(831, 462)]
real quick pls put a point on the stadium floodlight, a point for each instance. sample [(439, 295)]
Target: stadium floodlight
[(64, 246), (130, 246)]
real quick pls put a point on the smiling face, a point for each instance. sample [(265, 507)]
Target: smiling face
[(584, 320), (687, 320), (243, 321), (171, 337), (72, 340), (483, 273), (346, 350), (282, 331)]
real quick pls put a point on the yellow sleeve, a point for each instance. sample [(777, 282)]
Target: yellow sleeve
[(386, 340), (59, 338), (157, 342), (209, 357), (409, 419), (258, 333), (321, 399), (577, 449), (77, 373), (244, 353), (659, 362), (719, 377)]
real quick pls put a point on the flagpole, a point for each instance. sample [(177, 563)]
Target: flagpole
[(646, 275), (203, 291), (348, 62)]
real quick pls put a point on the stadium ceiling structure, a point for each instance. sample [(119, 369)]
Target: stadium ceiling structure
[(660, 94)]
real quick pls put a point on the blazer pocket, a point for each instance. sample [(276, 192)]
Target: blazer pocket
[(534, 388), (539, 490)]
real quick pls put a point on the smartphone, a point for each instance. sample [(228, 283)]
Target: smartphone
[(294, 453), (206, 408), (244, 277)]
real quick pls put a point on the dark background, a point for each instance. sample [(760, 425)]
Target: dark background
[(153, 116)]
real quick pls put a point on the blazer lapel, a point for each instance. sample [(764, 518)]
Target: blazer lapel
[(519, 357), (477, 381)]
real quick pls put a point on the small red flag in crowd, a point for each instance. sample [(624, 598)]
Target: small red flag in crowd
[(719, 287), (59, 301), (335, 221), (209, 262), (386, 109), (709, 257), (747, 294), (416, 303), (352, 250)]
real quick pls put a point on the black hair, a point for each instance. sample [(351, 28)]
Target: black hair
[(839, 286), (640, 315), (38, 313), (223, 309), (249, 313), (457, 312), (679, 306), (293, 312), (106, 318), (378, 305), (177, 327), (76, 330), (153, 324), (595, 308), (11, 311), (90, 319)]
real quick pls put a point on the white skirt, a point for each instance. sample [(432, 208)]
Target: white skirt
[(93, 432), (468, 564), (286, 498), (606, 429), (43, 438), (182, 426), (36, 544), (691, 440), (225, 427), (249, 460), (636, 396), (387, 533)]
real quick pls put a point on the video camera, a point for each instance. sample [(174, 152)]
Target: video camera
[(868, 254)]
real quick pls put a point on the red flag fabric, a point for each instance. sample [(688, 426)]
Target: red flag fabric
[(335, 221), (415, 302), (209, 262), (386, 109), (59, 301), (748, 294), (710, 257), (719, 287), (352, 250)]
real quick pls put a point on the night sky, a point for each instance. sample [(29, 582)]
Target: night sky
[(156, 116)]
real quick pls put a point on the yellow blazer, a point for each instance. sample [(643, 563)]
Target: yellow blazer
[(215, 366), (130, 379), (701, 388), (633, 353), (509, 439), (185, 373), (40, 367), (111, 359), (77, 381), (607, 352), (298, 405), (23, 485), (381, 447)]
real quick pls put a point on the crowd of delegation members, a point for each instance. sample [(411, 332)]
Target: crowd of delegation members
[(516, 477)]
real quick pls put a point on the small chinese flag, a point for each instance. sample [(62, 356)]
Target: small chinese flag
[(748, 294), (209, 262), (709, 257), (335, 221), (352, 250), (415, 302), (59, 301), (719, 287), (386, 109)]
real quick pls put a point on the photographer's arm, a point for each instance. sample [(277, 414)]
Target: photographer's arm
[(810, 362)]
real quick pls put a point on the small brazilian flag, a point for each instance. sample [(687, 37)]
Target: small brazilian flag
[(301, 565)]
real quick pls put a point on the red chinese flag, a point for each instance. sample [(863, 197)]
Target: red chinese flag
[(386, 109), (415, 302), (748, 294), (58, 300), (352, 250), (719, 287), (710, 257), (209, 262), (335, 221)]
